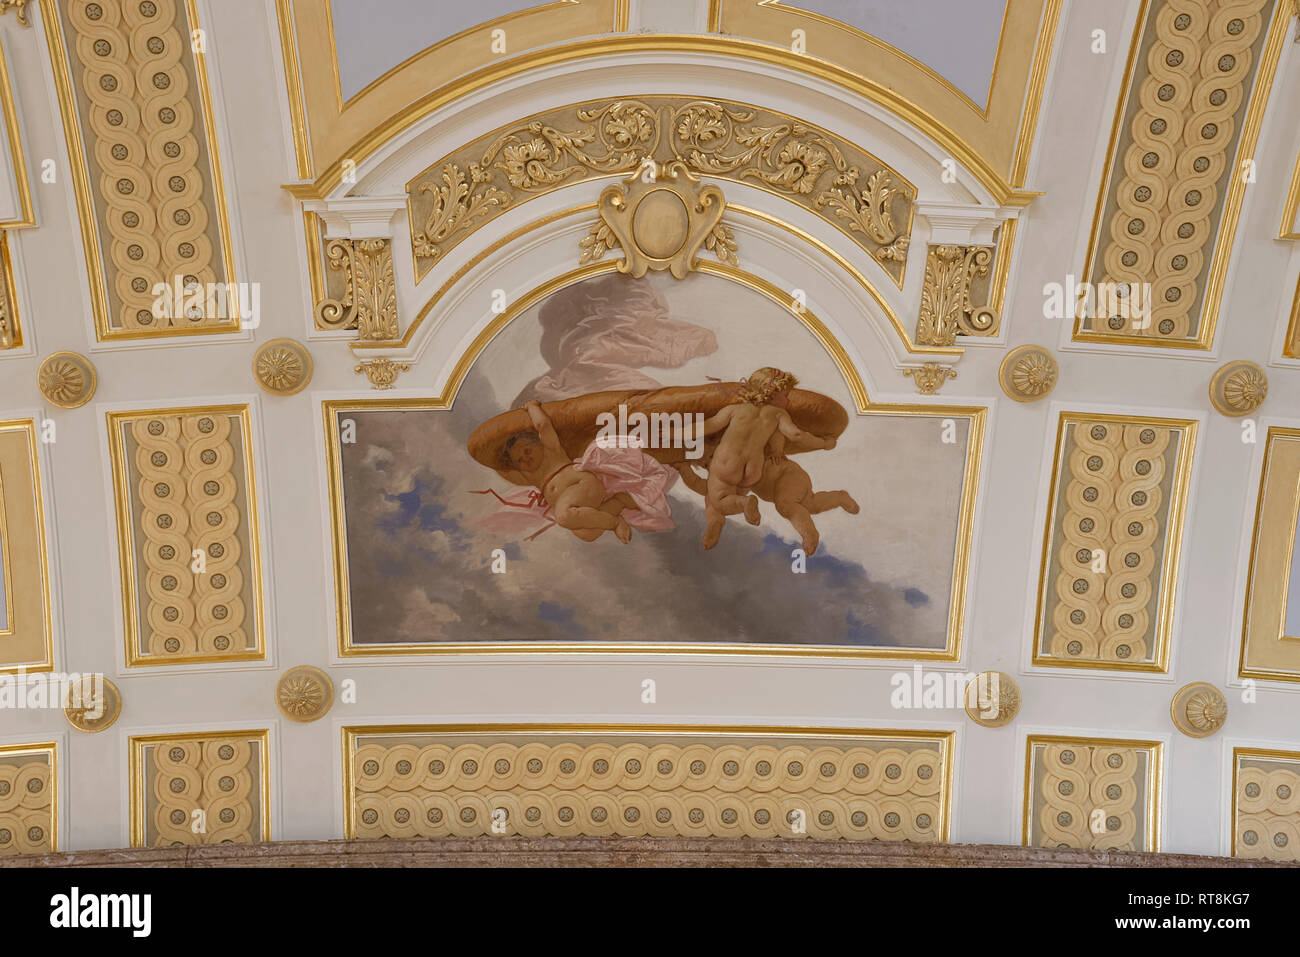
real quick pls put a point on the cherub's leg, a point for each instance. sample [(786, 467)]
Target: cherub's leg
[(731, 500), (720, 501), (583, 516), (825, 501), (714, 520), (789, 497)]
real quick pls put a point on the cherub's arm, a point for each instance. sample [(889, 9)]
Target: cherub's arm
[(545, 430), (514, 476), (795, 434), (716, 423), (691, 478)]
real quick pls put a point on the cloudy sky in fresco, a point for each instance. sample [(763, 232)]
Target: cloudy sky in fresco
[(420, 571)]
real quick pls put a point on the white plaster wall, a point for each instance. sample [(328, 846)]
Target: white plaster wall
[(602, 689)]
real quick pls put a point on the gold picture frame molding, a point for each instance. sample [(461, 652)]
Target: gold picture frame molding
[(1272, 551), (87, 214), (137, 785), (1154, 780), (1180, 485), (977, 416), (1216, 277), (126, 540), (27, 584)]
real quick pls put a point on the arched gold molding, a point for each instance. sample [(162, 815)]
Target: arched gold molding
[(1002, 129), (323, 122), (757, 19), (361, 348), (976, 415), (333, 151), (1217, 247)]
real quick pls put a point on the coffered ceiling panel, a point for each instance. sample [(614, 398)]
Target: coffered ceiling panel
[(1181, 158), (188, 537), (137, 113), (709, 782)]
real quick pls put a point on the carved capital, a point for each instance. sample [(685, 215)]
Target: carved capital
[(930, 377), (369, 301), (20, 7), (382, 372), (947, 307)]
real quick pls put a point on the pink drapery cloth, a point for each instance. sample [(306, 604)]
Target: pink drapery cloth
[(598, 334), (621, 466)]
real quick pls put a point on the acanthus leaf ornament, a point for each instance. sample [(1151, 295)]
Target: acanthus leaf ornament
[(930, 377), (947, 309), (382, 372), (20, 7), (369, 302), (829, 177)]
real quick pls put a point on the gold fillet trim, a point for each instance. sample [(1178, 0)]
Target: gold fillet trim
[(9, 295), (126, 541), (1037, 88), (315, 94), (1292, 347), (51, 749), (1154, 780), (350, 733), (26, 212), (1275, 514), (7, 627), (293, 81), (1216, 276), (1003, 128), (104, 329), (1289, 229), (1237, 755), (1003, 193), (809, 154), (1172, 548), (965, 525), (42, 549), (486, 27), (138, 799), (532, 227)]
